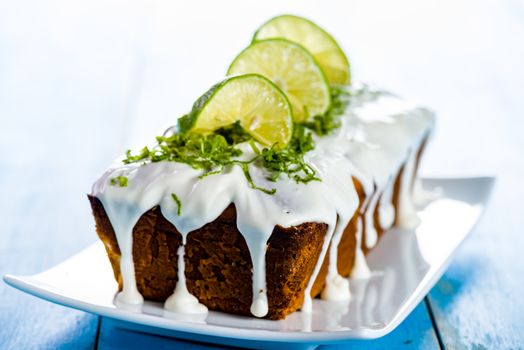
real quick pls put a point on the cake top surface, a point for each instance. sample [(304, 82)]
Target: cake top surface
[(376, 131)]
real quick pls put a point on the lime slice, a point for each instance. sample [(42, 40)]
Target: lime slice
[(315, 39), (261, 108), (293, 69)]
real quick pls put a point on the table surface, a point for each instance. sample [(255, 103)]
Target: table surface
[(81, 82)]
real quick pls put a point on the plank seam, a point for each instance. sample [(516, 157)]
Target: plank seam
[(434, 323), (97, 336)]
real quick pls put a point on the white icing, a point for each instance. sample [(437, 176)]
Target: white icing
[(407, 212), (336, 289), (181, 301), (124, 235), (386, 208), (371, 232), (360, 267), (378, 133), (307, 304)]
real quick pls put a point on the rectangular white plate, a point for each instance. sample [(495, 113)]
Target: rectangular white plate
[(405, 265)]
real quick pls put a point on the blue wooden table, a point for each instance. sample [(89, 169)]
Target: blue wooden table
[(80, 82)]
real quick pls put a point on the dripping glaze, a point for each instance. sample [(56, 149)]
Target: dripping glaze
[(379, 135)]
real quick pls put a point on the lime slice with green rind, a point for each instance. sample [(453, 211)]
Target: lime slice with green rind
[(316, 40), (261, 108), (293, 69)]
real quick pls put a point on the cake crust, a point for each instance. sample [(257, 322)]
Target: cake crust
[(218, 264)]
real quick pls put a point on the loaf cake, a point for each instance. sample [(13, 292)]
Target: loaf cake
[(236, 240)]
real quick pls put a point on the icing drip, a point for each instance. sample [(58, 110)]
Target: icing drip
[(337, 287), (360, 268), (342, 194), (371, 232), (307, 305), (181, 301), (376, 135), (129, 293), (124, 235), (407, 212), (259, 305), (386, 212)]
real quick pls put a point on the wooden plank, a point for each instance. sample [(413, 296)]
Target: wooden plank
[(36, 234), (478, 303), (416, 332), (112, 338)]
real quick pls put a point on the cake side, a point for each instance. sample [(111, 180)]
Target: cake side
[(218, 264), (346, 248)]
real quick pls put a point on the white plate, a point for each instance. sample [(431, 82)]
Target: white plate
[(405, 265)]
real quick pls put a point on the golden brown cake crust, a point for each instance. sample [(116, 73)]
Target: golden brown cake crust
[(218, 264)]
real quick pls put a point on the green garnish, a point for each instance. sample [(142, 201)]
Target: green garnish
[(198, 151), (178, 203), (234, 133), (329, 121), (290, 161), (119, 180), (214, 152)]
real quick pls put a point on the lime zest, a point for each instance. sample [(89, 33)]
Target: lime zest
[(213, 154), (119, 180), (329, 121), (255, 109), (178, 203)]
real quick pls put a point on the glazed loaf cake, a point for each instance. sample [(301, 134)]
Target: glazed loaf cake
[(247, 252)]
